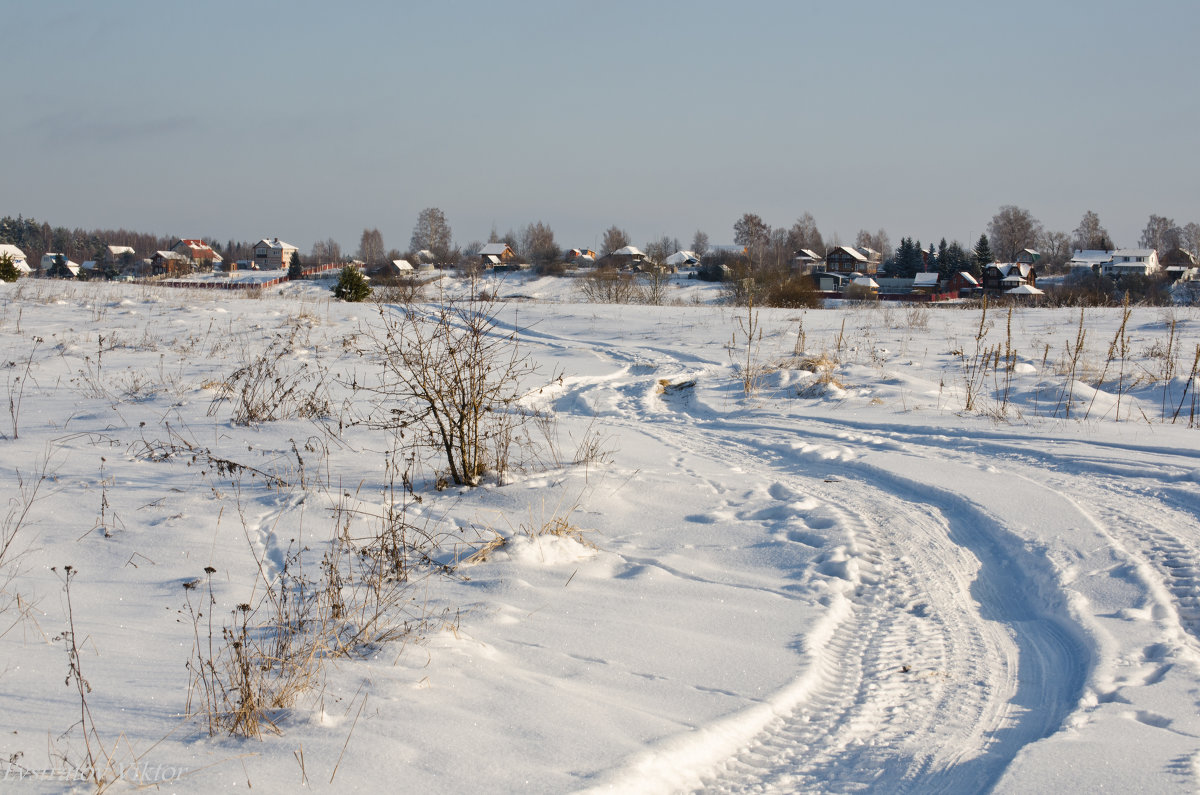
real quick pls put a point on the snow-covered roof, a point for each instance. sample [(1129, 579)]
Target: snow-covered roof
[(1144, 253), (866, 281), (968, 278), (853, 252), (17, 254), (492, 258), (277, 244), (1024, 289), (683, 258), (116, 251), (629, 251), (494, 249), (402, 264), (925, 280), (808, 253)]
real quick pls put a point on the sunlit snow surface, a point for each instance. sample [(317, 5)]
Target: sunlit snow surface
[(843, 582)]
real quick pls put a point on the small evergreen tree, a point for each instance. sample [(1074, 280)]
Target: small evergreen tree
[(59, 269), (982, 256), (295, 268), (8, 268), (352, 285)]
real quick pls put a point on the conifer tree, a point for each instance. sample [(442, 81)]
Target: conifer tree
[(8, 268), (982, 256), (352, 285)]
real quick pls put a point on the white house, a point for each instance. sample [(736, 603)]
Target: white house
[(1118, 262), (18, 257), (273, 255), (682, 258), (49, 259), (1142, 261)]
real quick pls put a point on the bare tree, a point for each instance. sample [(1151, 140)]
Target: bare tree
[(326, 251), (659, 250), (699, 244), (1012, 230), (804, 234), (370, 248), (753, 234), (876, 242), (1055, 248), (432, 232), (1191, 238), (614, 239), (1161, 234), (1090, 235), (537, 244)]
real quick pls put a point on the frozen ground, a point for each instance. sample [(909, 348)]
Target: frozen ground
[(843, 581)]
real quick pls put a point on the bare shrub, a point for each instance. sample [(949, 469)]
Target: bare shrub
[(262, 390), (609, 286), (399, 290), (453, 376)]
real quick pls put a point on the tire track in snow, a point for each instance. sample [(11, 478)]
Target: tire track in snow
[(864, 721)]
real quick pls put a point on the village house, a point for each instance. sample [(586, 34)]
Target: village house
[(197, 253), (1131, 261), (628, 257), (1178, 263), (964, 285), (18, 257), (273, 255), (848, 259), (1118, 262), (170, 263), (807, 261), (494, 254), (1009, 275), (50, 262)]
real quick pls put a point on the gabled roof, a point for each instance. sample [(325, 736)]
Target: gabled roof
[(17, 254), (402, 264), (628, 251), (495, 249), (853, 252), (116, 251), (925, 280), (197, 249), (808, 253), (1024, 289), (276, 243), (683, 258), (968, 278)]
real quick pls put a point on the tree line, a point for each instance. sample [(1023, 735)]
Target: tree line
[(1011, 230)]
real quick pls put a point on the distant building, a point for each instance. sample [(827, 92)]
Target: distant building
[(18, 257), (1118, 262), (494, 254), (50, 263), (273, 255), (848, 259), (198, 254)]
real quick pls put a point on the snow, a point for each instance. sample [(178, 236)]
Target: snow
[(843, 580)]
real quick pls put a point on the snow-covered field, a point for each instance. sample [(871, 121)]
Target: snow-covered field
[(841, 580)]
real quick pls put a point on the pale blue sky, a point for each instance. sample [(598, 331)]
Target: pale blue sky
[(308, 120)]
